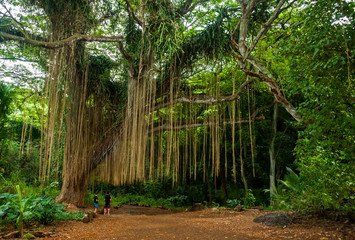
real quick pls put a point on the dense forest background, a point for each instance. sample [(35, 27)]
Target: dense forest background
[(283, 138)]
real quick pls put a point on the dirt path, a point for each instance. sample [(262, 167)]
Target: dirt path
[(133, 222)]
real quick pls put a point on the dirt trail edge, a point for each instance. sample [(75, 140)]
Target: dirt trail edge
[(134, 222)]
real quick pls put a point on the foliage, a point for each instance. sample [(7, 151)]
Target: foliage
[(154, 193), (6, 97), (33, 207), (287, 191), (212, 205), (319, 54), (21, 166), (22, 205), (296, 193), (19, 150), (179, 200), (154, 202), (232, 203), (249, 199)]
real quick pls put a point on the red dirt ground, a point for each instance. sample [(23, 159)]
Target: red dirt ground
[(133, 222)]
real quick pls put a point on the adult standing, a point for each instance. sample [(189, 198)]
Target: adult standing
[(107, 203)]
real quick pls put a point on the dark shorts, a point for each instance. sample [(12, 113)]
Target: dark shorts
[(107, 205), (96, 205)]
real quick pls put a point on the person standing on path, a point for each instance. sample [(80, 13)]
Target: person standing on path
[(107, 203), (96, 202)]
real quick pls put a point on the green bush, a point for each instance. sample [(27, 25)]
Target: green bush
[(307, 194), (179, 200), (249, 199), (35, 209), (45, 210), (128, 198), (232, 203)]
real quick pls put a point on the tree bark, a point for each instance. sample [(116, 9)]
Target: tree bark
[(74, 191)]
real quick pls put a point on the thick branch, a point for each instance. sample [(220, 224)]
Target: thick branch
[(259, 66), (124, 53), (243, 30), (265, 27), (235, 30), (204, 99), (268, 79), (16, 59), (132, 13), (64, 42), (275, 90), (15, 22), (202, 123)]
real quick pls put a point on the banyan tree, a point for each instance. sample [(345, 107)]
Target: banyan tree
[(128, 107)]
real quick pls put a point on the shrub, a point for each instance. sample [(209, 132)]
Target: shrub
[(35, 209), (179, 200), (249, 199), (232, 203)]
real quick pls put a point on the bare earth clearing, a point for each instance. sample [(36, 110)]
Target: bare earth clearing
[(133, 222)]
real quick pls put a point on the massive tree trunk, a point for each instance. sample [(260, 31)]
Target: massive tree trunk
[(73, 193), (68, 70)]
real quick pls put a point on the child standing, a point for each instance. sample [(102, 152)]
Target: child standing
[(96, 202)]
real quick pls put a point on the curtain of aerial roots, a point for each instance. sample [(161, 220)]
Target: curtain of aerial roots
[(126, 163), (51, 130), (26, 133), (66, 93), (162, 143)]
